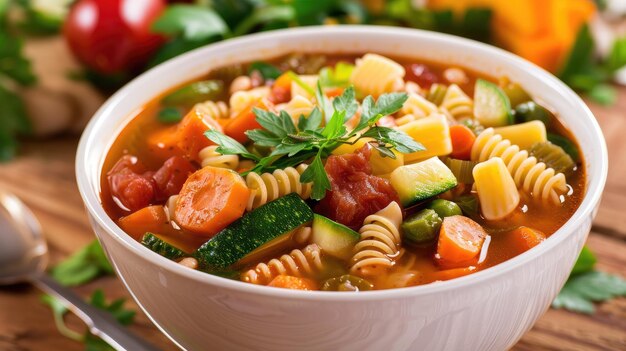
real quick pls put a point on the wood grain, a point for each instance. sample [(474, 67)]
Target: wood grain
[(43, 176)]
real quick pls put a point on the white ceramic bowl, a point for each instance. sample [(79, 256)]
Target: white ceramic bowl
[(489, 310)]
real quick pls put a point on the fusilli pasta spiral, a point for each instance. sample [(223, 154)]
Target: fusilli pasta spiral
[(457, 102), (297, 263), (215, 110), (534, 177), (240, 100), (210, 157), (375, 75), (267, 187), (298, 105), (379, 243)]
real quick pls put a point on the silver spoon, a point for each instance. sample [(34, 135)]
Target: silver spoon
[(23, 258)]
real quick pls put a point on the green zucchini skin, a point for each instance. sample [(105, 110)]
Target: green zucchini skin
[(163, 248), (254, 229)]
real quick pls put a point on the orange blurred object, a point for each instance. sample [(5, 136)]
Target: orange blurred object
[(541, 31)]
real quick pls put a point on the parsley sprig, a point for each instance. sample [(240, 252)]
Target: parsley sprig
[(308, 140)]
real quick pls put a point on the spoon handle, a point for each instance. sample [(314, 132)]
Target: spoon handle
[(99, 322)]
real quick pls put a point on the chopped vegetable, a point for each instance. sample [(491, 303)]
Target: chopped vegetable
[(147, 219), (161, 246), (245, 121), (445, 208), (566, 144), (194, 93), (462, 141), (169, 115), (492, 107), (422, 227), (461, 169), (347, 282), (254, 229), (516, 93), (420, 181), (460, 242), (531, 111), (210, 200), (525, 238), (334, 238), (553, 156), (433, 133), (268, 71), (468, 204), (293, 283)]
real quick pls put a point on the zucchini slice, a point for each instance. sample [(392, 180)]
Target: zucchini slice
[(492, 107), (334, 238), (422, 180), (253, 230), (162, 247)]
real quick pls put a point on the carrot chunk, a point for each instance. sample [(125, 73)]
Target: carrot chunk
[(294, 283), (525, 238), (462, 141), (148, 219), (460, 242), (245, 121), (210, 200), (185, 139)]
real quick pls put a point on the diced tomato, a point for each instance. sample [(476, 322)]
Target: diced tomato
[(171, 176), (130, 184), (421, 74), (355, 193)]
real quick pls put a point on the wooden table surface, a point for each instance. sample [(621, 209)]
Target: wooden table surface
[(43, 176)]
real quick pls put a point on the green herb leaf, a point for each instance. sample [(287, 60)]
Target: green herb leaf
[(116, 308), (280, 125), (59, 311), (335, 127), (266, 70), (83, 266), (262, 137), (585, 262), (582, 290), (346, 102), (273, 13), (312, 122), (617, 57), (175, 47), (290, 149), (169, 115), (603, 94), (193, 22), (339, 76), (317, 174), (398, 139), (385, 105), (228, 145), (324, 102)]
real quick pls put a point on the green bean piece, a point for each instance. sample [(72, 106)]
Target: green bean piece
[(169, 115), (445, 208), (347, 282), (422, 227), (531, 111), (194, 93)]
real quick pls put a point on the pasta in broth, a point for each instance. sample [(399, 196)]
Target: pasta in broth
[(343, 173)]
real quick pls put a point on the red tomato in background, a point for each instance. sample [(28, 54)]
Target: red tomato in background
[(111, 36)]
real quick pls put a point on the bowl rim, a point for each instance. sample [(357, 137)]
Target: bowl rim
[(595, 183)]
